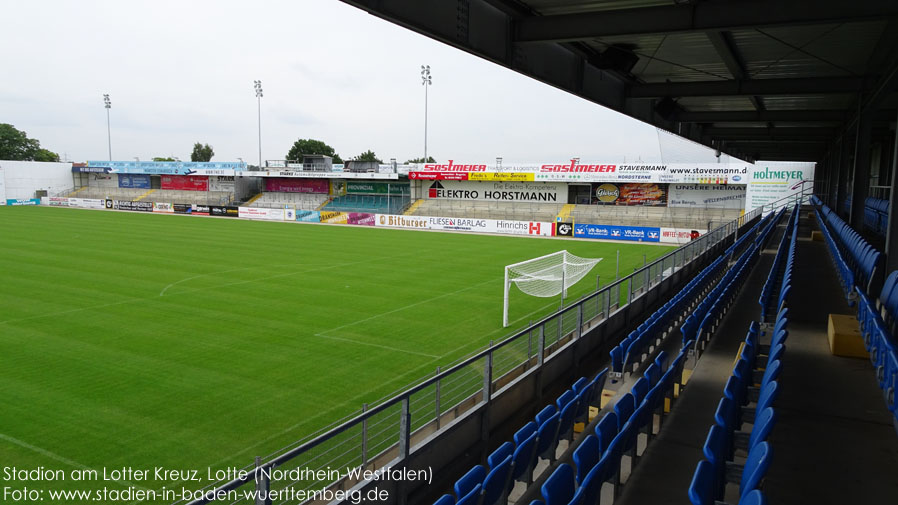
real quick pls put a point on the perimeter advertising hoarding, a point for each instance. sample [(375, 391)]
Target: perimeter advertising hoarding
[(308, 216), (166, 167), (265, 214), (538, 192), (163, 207), (680, 235), (137, 181), (712, 196), (84, 203), (285, 185), (357, 218), (472, 176), (609, 232), (132, 206), (184, 182), (23, 201), (499, 226), (222, 211)]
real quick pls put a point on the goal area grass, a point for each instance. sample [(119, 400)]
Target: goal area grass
[(141, 340)]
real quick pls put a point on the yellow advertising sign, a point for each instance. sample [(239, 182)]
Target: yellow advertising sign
[(500, 176)]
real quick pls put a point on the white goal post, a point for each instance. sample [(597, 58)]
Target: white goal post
[(546, 276)]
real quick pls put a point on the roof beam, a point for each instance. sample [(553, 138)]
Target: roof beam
[(773, 134), (726, 48), (698, 17), (789, 86)]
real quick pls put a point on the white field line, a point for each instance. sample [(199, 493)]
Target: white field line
[(61, 459), (387, 347)]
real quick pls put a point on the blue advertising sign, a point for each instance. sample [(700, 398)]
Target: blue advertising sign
[(166, 167), (134, 181), (611, 232), (23, 201)]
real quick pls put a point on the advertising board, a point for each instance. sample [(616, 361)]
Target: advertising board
[(610, 232), (263, 214), (287, 185), (138, 181), (184, 182), (706, 196), (538, 192), (500, 226)]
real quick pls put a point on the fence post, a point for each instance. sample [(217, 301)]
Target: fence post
[(598, 295), (579, 319), (405, 434), (530, 340), (542, 344), (437, 399), (488, 376), (263, 485), (364, 436), (629, 290)]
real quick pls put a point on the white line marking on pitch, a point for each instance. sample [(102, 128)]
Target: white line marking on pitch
[(61, 459), (389, 348)]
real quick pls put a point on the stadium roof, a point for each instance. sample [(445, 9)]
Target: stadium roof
[(756, 79)]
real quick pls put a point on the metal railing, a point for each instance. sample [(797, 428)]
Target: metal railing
[(384, 433)]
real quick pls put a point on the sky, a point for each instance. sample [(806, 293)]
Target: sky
[(182, 72)]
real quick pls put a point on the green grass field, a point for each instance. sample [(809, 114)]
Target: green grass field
[(146, 340)]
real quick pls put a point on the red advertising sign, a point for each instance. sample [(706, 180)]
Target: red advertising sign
[(439, 176), (288, 185), (454, 167), (574, 167), (185, 182)]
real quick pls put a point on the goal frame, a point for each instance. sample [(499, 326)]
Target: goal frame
[(507, 289)]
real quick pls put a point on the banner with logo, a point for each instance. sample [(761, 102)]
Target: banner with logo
[(706, 196), (84, 203), (630, 194), (308, 216), (185, 182), (136, 181), (473, 176), (610, 232), (264, 214), (222, 211), (500, 226), (358, 218), (285, 185), (772, 181), (201, 210), (163, 207), (23, 201), (132, 206), (538, 192), (221, 183), (680, 235), (564, 229), (379, 188)]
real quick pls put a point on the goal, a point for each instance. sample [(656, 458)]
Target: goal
[(546, 276)]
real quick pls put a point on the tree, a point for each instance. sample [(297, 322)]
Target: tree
[(16, 146), (422, 160), (45, 155), (368, 156), (311, 146), (159, 158), (202, 152)]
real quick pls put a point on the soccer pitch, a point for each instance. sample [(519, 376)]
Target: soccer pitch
[(140, 340)]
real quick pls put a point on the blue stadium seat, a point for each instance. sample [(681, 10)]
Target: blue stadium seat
[(701, 490), (496, 484), (624, 409), (755, 497), (559, 487), (473, 478), (653, 374), (715, 452), (446, 499), (547, 437), (522, 460), (756, 466), (606, 430), (639, 390), (502, 452), (472, 498), (565, 398), (566, 421), (586, 455), (547, 412), (524, 433), (763, 425)]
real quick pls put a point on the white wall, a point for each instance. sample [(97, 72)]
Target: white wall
[(23, 178)]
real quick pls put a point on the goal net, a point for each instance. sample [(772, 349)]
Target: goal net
[(546, 276)]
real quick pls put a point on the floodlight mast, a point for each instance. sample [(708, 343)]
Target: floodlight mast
[(426, 81), (108, 104), (257, 85)]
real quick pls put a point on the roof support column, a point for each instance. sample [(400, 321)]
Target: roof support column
[(891, 233), (861, 179)]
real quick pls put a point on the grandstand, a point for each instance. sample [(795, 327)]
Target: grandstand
[(300, 201)]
